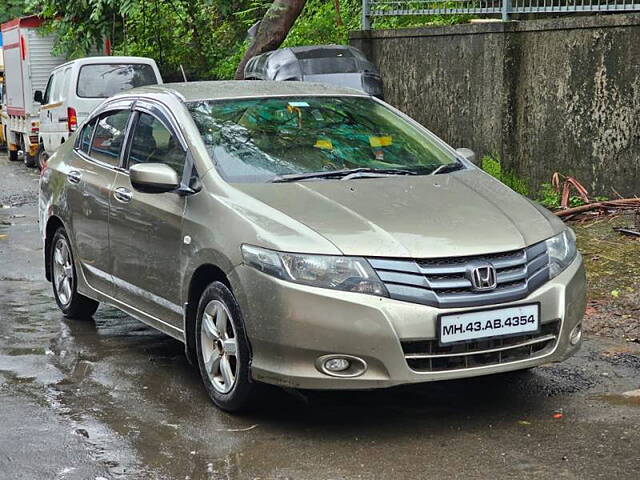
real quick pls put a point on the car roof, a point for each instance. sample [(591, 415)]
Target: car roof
[(221, 90), (100, 60)]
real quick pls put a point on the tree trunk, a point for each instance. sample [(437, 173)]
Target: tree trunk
[(273, 30), (339, 22)]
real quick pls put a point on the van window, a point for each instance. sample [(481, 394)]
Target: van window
[(62, 85), (105, 80), (51, 85), (47, 91), (153, 143), (58, 85), (109, 137)]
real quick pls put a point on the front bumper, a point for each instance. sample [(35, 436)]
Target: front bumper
[(290, 326)]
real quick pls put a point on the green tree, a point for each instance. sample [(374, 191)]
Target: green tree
[(206, 38), (10, 9)]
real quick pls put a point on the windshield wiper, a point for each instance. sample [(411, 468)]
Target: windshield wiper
[(345, 174), (448, 168)]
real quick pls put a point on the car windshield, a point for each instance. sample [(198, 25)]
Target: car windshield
[(259, 139)]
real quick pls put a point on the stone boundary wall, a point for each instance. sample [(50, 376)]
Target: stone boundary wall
[(546, 95)]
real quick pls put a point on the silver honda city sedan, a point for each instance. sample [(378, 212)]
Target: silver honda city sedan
[(305, 236)]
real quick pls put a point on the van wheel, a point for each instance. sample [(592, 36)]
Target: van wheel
[(13, 155), (223, 350), (42, 157), (64, 279), (30, 160)]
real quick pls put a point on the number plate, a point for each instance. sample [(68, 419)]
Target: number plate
[(469, 326)]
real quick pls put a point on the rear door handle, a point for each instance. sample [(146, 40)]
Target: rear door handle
[(74, 176), (123, 195)]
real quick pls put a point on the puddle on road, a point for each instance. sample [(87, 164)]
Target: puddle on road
[(620, 399)]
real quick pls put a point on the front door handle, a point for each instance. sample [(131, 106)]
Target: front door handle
[(123, 195), (74, 176)]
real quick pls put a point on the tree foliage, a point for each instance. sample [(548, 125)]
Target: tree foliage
[(208, 38), (10, 9)]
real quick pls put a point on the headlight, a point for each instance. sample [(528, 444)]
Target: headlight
[(351, 274), (562, 251)]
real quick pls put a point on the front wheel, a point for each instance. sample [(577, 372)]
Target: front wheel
[(223, 350), (64, 279), (13, 155)]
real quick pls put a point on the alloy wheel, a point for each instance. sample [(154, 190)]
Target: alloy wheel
[(219, 346), (63, 272)]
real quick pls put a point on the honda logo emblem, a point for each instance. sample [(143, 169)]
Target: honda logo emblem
[(482, 276)]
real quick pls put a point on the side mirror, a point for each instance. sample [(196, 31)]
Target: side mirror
[(37, 96), (153, 178), (469, 155)]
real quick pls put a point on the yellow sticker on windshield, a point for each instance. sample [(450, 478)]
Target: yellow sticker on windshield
[(324, 144), (377, 142)]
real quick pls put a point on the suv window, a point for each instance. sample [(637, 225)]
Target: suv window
[(105, 80), (108, 139), (152, 142), (85, 136)]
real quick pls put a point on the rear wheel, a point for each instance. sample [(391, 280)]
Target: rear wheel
[(30, 161), (223, 350), (64, 279), (13, 155), (42, 157)]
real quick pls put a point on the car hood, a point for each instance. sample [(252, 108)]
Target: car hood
[(464, 213)]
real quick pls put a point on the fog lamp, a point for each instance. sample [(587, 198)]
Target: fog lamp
[(576, 334), (337, 364)]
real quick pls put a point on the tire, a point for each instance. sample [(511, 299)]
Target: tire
[(42, 157), (63, 279), (226, 376), (31, 161), (13, 155)]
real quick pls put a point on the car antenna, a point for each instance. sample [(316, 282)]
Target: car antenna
[(183, 74)]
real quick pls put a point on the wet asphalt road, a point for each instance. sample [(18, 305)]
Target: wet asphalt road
[(113, 399)]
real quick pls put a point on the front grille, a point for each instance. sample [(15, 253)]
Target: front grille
[(443, 282), (429, 356)]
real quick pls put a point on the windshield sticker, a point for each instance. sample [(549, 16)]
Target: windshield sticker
[(377, 142), (324, 144)]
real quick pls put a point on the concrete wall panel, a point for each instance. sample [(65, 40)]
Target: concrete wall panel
[(547, 95)]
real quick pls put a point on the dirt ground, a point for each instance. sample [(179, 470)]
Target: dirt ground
[(613, 271)]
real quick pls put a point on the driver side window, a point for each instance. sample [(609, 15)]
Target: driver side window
[(152, 142), (47, 93)]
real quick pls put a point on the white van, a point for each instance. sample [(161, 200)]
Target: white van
[(77, 87)]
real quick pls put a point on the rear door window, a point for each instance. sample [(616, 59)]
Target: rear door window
[(152, 142), (105, 80), (85, 136), (109, 136)]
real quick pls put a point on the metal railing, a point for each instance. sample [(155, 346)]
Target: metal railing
[(387, 8)]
